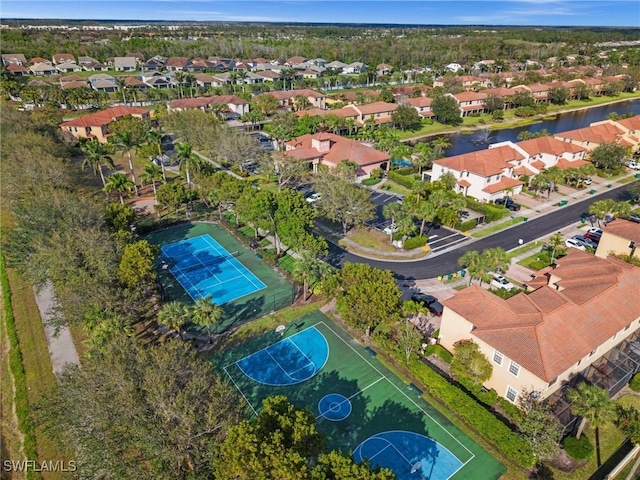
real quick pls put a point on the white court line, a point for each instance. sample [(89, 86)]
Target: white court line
[(355, 394), (403, 393), (240, 390), (281, 367), (186, 278), (232, 261), (390, 444), (379, 451)]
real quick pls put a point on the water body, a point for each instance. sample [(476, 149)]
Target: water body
[(481, 139)]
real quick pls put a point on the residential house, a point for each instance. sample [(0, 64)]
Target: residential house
[(269, 75), (329, 149), (67, 67), (43, 69), (59, 58), (295, 61), (336, 64), (470, 103), (36, 60), (384, 69), (205, 80), (124, 64), (597, 134), (92, 65), (177, 64), (354, 67), (422, 105), (72, 78), (103, 83), (152, 65), (485, 174), (96, 125), (632, 130), (17, 70), (236, 106), (505, 93), (380, 111), (546, 152), (157, 80), (620, 237), (574, 315), (14, 59), (453, 67), (139, 58), (287, 98)]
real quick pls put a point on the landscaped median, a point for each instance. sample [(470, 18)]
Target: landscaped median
[(371, 243)]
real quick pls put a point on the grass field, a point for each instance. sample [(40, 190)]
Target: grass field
[(380, 406)]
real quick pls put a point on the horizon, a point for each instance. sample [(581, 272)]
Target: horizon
[(440, 13)]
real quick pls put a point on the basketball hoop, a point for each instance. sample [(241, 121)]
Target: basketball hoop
[(280, 329)]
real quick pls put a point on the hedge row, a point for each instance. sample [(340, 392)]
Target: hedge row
[(415, 242), (17, 369), (490, 212), (510, 443), (466, 226), (401, 179)]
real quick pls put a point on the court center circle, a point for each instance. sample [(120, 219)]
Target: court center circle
[(334, 407)]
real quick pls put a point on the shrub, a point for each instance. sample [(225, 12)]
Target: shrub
[(370, 181), (578, 448), (510, 443), (397, 236), (634, 384), (406, 170), (439, 351), (494, 213), (466, 226), (400, 179), (415, 242)]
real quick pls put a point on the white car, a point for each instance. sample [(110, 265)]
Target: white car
[(634, 165), (501, 282), (314, 197), (573, 243), (391, 229)]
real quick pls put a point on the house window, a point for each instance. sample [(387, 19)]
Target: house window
[(553, 381), (514, 368), (488, 179), (593, 352), (497, 357), (512, 394), (627, 327)]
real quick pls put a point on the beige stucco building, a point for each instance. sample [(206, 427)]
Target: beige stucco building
[(573, 315), (621, 237)]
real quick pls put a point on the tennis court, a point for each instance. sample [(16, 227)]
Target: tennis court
[(205, 268), (361, 406), (201, 259)]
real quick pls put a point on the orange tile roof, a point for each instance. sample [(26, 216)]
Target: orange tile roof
[(563, 163), (632, 123), (503, 184), (549, 145), (419, 101), (491, 161), (340, 149), (602, 133), (539, 164), (549, 330), (464, 183), (625, 229), (74, 84), (377, 107), (292, 93), (104, 117), (470, 96), (523, 171)]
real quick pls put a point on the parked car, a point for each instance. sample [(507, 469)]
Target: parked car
[(391, 229), (429, 301), (314, 197), (586, 241), (587, 181), (500, 281), (634, 165), (573, 243), (594, 236), (508, 203)]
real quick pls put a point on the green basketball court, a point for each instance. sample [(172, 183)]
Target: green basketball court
[(277, 294), (360, 405)]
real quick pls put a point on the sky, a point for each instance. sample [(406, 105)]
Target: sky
[(615, 13)]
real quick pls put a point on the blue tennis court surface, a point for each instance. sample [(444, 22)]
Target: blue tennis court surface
[(289, 361), (408, 455), (205, 268)]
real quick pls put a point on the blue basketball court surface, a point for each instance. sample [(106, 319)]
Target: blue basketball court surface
[(204, 268), (360, 406)]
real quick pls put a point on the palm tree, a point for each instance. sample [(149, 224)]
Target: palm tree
[(393, 211), (555, 241), (426, 212), (190, 78), (593, 404), (422, 156), (173, 315), (205, 314), (122, 86), (125, 142), (155, 138), (308, 270), (439, 144), (187, 159), (496, 259), (180, 77), (152, 174), (96, 155), (118, 182), (471, 260)]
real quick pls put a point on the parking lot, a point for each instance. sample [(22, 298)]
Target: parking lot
[(440, 238)]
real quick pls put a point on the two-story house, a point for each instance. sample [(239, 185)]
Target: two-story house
[(96, 125)]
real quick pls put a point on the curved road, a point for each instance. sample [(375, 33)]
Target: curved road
[(508, 239)]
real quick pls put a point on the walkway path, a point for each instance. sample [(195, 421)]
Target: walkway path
[(62, 350)]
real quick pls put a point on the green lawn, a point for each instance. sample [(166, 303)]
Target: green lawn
[(497, 227)]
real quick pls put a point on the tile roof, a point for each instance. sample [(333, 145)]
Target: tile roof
[(559, 323), (104, 117), (491, 161), (340, 149), (603, 133), (420, 102), (563, 163), (376, 107), (177, 62), (550, 145), (625, 229), (631, 124), (503, 184), (74, 84), (305, 92)]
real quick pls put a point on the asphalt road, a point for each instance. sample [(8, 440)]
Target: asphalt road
[(508, 239)]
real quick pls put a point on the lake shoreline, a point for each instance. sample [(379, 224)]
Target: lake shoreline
[(512, 123)]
